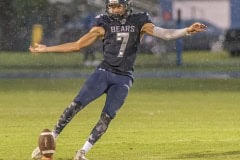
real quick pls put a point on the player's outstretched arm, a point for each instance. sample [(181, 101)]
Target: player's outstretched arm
[(168, 34), (86, 40)]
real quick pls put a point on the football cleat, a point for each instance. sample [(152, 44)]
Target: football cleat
[(80, 155), (36, 154)]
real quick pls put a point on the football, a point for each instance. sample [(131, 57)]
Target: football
[(46, 144)]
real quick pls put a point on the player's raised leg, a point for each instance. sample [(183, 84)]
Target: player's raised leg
[(66, 117)]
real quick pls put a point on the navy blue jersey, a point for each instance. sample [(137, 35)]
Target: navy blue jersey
[(121, 41)]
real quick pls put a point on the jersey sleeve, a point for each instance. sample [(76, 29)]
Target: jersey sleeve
[(147, 17), (98, 21), (142, 18)]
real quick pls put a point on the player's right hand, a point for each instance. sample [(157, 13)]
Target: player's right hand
[(38, 48)]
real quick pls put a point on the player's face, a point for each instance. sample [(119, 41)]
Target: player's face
[(116, 9)]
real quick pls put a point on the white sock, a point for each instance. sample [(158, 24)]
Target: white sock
[(87, 146)]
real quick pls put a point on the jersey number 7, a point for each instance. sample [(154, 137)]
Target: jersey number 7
[(124, 38)]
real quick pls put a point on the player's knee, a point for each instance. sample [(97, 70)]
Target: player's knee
[(121, 92), (75, 107), (111, 112)]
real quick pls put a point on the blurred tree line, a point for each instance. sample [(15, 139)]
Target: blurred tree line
[(16, 20)]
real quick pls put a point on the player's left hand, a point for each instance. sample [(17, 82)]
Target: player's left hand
[(196, 27)]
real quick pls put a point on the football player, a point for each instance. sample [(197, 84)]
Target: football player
[(120, 31)]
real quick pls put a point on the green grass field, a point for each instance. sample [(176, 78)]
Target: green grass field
[(192, 61), (169, 119)]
